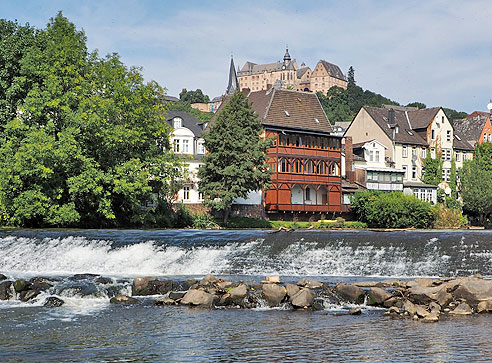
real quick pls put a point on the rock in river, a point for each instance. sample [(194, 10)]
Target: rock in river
[(273, 294), (198, 298), (53, 302)]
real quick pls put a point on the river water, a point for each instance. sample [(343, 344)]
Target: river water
[(88, 329)]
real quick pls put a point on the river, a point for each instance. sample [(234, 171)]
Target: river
[(88, 329)]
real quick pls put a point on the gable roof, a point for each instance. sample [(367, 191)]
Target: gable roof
[(189, 121), (333, 70), (460, 142), (420, 119), (405, 134), (303, 109), (470, 128), (290, 109), (301, 71)]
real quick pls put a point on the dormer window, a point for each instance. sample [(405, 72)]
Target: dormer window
[(177, 122), (287, 113)]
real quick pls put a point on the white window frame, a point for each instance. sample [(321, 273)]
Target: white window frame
[(186, 193), (186, 146), (405, 169), (404, 151), (201, 147), (177, 123), (176, 144), (424, 152), (414, 172)]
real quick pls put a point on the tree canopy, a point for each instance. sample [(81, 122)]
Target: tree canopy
[(476, 182), (236, 160), (196, 96), (83, 141)]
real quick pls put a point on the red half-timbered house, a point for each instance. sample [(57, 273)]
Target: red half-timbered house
[(305, 159)]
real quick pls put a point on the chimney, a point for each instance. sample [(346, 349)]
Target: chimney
[(391, 116), (349, 160)]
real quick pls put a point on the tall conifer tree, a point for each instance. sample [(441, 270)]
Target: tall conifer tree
[(236, 160)]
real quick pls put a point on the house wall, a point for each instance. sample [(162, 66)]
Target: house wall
[(321, 81), (486, 134), (364, 128)]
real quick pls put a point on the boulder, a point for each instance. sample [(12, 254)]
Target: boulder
[(5, 292), (225, 284), (27, 295), (53, 302), (421, 311), (318, 304), (394, 310), (140, 286), (225, 300), (393, 301), (462, 309), (292, 290), (85, 276), (208, 279), (377, 296), (356, 311), (351, 293), (303, 299), (474, 290), (158, 287), (421, 282), (103, 280), (273, 279), (367, 284), (484, 306), (123, 299), (274, 294), (434, 307), (41, 286), (3, 277), (409, 307), (390, 283), (176, 295), (432, 317), (165, 301), (198, 298), (311, 284), (238, 293), (21, 285)]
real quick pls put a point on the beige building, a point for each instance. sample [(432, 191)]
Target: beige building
[(287, 74), (408, 135)]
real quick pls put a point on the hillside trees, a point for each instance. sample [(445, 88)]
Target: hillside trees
[(196, 96), (236, 160), (88, 144)]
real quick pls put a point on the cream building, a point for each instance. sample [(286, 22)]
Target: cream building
[(256, 77), (408, 134)]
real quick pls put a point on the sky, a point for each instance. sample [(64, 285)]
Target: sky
[(438, 52)]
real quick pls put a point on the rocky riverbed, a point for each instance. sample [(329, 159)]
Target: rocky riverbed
[(421, 299)]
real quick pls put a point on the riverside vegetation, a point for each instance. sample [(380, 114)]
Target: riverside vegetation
[(422, 299)]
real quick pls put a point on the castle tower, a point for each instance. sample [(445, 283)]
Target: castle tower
[(233, 84)]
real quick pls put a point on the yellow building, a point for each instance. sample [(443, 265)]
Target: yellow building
[(287, 74)]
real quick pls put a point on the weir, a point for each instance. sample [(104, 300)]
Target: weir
[(255, 253)]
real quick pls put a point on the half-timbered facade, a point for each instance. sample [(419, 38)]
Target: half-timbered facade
[(305, 158)]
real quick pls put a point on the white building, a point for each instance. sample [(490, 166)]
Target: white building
[(186, 140)]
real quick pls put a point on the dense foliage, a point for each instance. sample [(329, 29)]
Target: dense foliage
[(83, 138), (193, 96), (392, 210), (343, 104), (236, 160), (432, 169), (476, 184)]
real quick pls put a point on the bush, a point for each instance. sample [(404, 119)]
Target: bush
[(340, 222), (204, 221), (392, 210), (245, 222), (452, 203), (449, 218)]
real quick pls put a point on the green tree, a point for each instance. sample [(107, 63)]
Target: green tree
[(88, 145), (236, 159), (419, 105), (351, 77), (432, 169), (475, 184), (196, 96)]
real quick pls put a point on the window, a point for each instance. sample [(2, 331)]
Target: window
[(445, 174), (404, 151), (424, 152), (446, 154), (465, 156), (186, 193), (201, 148), (448, 135), (433, 153), (186, 147), (490, 137), (414, 151), (176, 145), (308, 194), (433, 134), (177, 122), (405, 176), (376, 156), (458, 156), (414, 172)]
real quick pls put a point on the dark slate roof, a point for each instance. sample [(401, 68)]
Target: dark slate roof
[(418, 184), (470, 128), (253, 68), (461, 142), (290, 109), (190, 122), (171, 98), (301, 71), (333, 70), (405, 133)]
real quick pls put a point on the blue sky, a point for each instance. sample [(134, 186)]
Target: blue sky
[(436, 52)]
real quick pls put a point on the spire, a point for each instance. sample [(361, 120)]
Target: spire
[(287, 55), (233, 83)]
